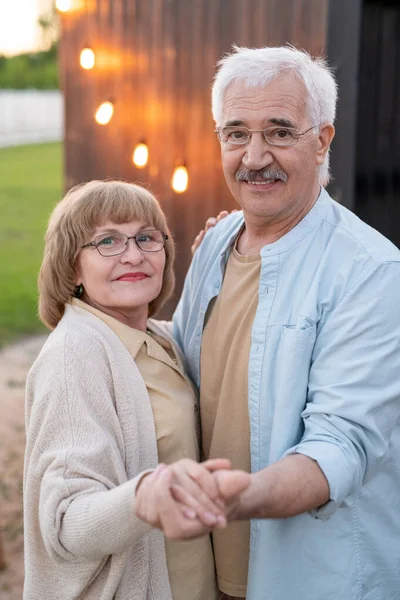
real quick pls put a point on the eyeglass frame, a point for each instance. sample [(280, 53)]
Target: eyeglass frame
[(128, 237), (292, 129)]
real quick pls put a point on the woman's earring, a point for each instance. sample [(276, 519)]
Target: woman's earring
[(78, 291)]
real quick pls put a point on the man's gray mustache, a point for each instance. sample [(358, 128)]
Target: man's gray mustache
[(246, 175)]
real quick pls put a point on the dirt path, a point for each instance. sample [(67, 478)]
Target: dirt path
[(15, 362)]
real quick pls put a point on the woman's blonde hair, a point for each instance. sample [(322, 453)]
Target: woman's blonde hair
[(71, 225)]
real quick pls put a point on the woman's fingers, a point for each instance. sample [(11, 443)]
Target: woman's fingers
[(197, 241), (173, 522), (200, 484), (211, 222), (192, 508), (168, 506), (221, 215)]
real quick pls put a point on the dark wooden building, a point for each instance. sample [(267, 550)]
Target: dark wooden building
[(155, 59)]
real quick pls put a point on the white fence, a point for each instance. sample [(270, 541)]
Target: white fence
[(30, 117)]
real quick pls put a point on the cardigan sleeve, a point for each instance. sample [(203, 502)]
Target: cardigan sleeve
[(75, 454)]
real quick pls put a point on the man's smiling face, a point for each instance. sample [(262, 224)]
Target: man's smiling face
[(289, 184)]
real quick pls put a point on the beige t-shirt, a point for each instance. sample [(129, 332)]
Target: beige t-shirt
[(224, 401), (190, 563)]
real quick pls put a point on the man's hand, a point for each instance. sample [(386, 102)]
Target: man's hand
[(211, 222), (231, 484)]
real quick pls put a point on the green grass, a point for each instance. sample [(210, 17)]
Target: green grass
[(30, 185)]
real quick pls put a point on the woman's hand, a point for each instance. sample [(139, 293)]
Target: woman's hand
[(175, 498), (156, 504), (200, 494), (211, 222)]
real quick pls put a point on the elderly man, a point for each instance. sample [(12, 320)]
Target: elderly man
[(290, 323)]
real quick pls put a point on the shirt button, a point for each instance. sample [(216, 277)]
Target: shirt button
[(216, 284)]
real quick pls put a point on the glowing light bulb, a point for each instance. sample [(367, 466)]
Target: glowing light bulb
[(104, 113), (140, 155), (63, 5), (87, 58), (180, 179)]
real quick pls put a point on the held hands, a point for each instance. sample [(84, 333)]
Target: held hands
[(187, 499)]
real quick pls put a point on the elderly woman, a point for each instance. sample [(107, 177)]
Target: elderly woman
[(107, 399)]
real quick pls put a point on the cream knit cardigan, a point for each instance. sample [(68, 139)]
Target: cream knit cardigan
[(90, 433)]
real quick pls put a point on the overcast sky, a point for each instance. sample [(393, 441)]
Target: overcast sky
[(18, 24)]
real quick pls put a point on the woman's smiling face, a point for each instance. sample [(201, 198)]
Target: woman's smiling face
[(122, 285)]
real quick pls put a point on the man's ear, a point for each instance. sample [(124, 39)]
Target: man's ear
[(326, 135)]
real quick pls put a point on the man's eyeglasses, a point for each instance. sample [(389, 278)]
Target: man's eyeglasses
[(275, 136), (111, 244)]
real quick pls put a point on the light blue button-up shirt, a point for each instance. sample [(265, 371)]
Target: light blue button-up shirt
[(324, 381)]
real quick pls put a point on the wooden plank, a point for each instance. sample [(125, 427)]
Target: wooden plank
[(259, 23), (281, 22), (2, 553)]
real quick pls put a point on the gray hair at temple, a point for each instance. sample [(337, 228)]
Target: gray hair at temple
[(258, 66)]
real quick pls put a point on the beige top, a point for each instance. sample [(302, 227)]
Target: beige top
[(175, 408), (223, 401)]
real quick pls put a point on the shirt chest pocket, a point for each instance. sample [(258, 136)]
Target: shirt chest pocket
[(293, 362)]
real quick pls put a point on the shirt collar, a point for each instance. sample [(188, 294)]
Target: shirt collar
[(133, 339), (292, 237)]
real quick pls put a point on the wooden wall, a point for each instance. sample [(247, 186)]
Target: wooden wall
[(155, 61)]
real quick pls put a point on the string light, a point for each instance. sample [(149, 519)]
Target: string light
[(63, 5), (140, 155), (180, 179), (87, 58), (104, 113)]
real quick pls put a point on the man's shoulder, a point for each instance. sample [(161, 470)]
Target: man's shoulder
[(220, 237), (349, 231)]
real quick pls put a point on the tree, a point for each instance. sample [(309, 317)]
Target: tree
[(49, 28)]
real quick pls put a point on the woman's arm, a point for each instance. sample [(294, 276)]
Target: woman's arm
[(75, 454)]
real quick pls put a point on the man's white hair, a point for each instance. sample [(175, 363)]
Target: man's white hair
[(257, 67)]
